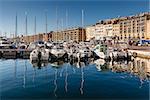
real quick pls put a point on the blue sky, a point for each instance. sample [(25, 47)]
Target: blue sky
[(94, 10)]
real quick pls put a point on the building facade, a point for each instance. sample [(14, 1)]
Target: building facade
[(47, 36), (74, 34), (31, 38), (135, 27), (124, 28), (90, 32)]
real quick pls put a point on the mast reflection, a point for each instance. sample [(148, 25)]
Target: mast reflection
[(24, 76), (15, 68), (55, 83), (82, 81), (137, 67), (66, 78)]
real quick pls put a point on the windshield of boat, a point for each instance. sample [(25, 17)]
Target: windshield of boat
[(40, 42), (5, 42)]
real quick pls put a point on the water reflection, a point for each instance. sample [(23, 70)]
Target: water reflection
[(82, 80), (55, 83), (40, 64), (25, 72), (138, 67), (66, 78), (15, 68), (57, 64), (34, 74)]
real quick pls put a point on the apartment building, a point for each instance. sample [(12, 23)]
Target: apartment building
[(135, 27), (74, 34), (101, 30), (47, 36), (124, 28), (31, 38), (90, 32)]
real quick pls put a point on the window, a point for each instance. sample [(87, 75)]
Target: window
[(129, 30), (142, 29)]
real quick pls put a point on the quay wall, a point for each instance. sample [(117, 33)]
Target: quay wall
[(140, 53), (15, 53)]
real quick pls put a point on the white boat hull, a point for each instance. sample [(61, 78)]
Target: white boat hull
[(100, 54), (34, 55), (58, 53)]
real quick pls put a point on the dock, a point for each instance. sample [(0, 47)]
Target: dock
[(15, 53)]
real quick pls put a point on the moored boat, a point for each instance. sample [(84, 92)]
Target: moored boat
[(101, 50), (57, 51), (39, 54)]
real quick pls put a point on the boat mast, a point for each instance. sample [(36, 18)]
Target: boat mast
[(16, 28), (56, 25), (66, 18), (35, 28), (26, 28), (62, 25), (46, 21), (82, 22), (67, 38)]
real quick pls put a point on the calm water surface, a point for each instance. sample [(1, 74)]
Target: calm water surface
[(58, 80)]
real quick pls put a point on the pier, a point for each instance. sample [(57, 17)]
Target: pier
[(15, 53)]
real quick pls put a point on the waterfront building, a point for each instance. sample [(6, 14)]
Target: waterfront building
[(90, 32), (73, 34), (32, 38), (135, 27), (101, 30), (47, 36), (124, 28)]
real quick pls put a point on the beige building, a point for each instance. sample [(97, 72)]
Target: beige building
[(31, 38), (47, 36), (90, 32), (74, 34), (135, 27), (125, 28), (148, 29), (100, 30)]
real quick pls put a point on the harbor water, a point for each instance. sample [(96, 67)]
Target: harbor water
[(22, 79)]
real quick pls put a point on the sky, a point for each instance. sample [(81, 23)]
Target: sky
[(94, 10)]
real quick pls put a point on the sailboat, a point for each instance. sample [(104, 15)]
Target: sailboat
[(40, 53)]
